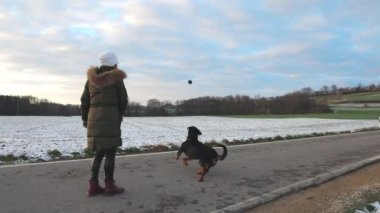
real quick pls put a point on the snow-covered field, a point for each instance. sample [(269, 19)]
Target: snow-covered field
[(34, 136)]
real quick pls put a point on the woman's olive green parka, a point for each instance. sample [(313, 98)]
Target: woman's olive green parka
[(103, 103)]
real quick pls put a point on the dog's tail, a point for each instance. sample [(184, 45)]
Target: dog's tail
[(221, 157)]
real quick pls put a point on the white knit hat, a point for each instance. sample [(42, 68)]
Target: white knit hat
[(108, 58)]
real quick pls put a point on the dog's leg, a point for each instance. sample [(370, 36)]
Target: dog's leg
[(184, 161), (201, 172), (178, 153)]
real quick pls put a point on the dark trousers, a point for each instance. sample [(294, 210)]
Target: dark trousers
[(109, 164)]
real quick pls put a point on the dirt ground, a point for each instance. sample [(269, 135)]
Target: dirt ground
[(333, 196)]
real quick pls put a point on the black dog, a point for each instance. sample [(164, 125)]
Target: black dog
[(194, 149)]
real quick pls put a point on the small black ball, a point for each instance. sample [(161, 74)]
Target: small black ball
[(189, 81)]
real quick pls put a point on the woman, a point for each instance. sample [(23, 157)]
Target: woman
[(103, 103)]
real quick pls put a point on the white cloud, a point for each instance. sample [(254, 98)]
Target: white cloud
[(366, 11), (366, 40), (291, 5), (284, 50), (181, 4), (136, 13), (212, 30), (115, 33), (310, 23), (4, 18), (140, 14)]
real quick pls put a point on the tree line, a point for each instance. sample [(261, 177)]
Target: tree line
[(292, 103), (29, 105), (297, 102), (230, 105)]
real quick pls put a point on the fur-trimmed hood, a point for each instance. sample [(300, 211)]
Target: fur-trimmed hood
[(105, 79)]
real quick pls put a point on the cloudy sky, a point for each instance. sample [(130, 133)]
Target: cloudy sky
[(261, 47)]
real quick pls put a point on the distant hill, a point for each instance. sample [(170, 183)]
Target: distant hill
[(360, 105), (363, 97), (359, 98)]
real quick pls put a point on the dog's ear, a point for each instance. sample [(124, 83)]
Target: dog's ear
[(199, 132)]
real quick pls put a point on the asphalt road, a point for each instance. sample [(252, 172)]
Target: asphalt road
[(158, 183)]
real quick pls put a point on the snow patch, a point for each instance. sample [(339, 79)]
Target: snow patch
[(34, 136)]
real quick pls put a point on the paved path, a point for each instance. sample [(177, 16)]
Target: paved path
[(158, 183)]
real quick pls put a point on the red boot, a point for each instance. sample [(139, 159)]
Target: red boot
[(111, 188), (94, 188)]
